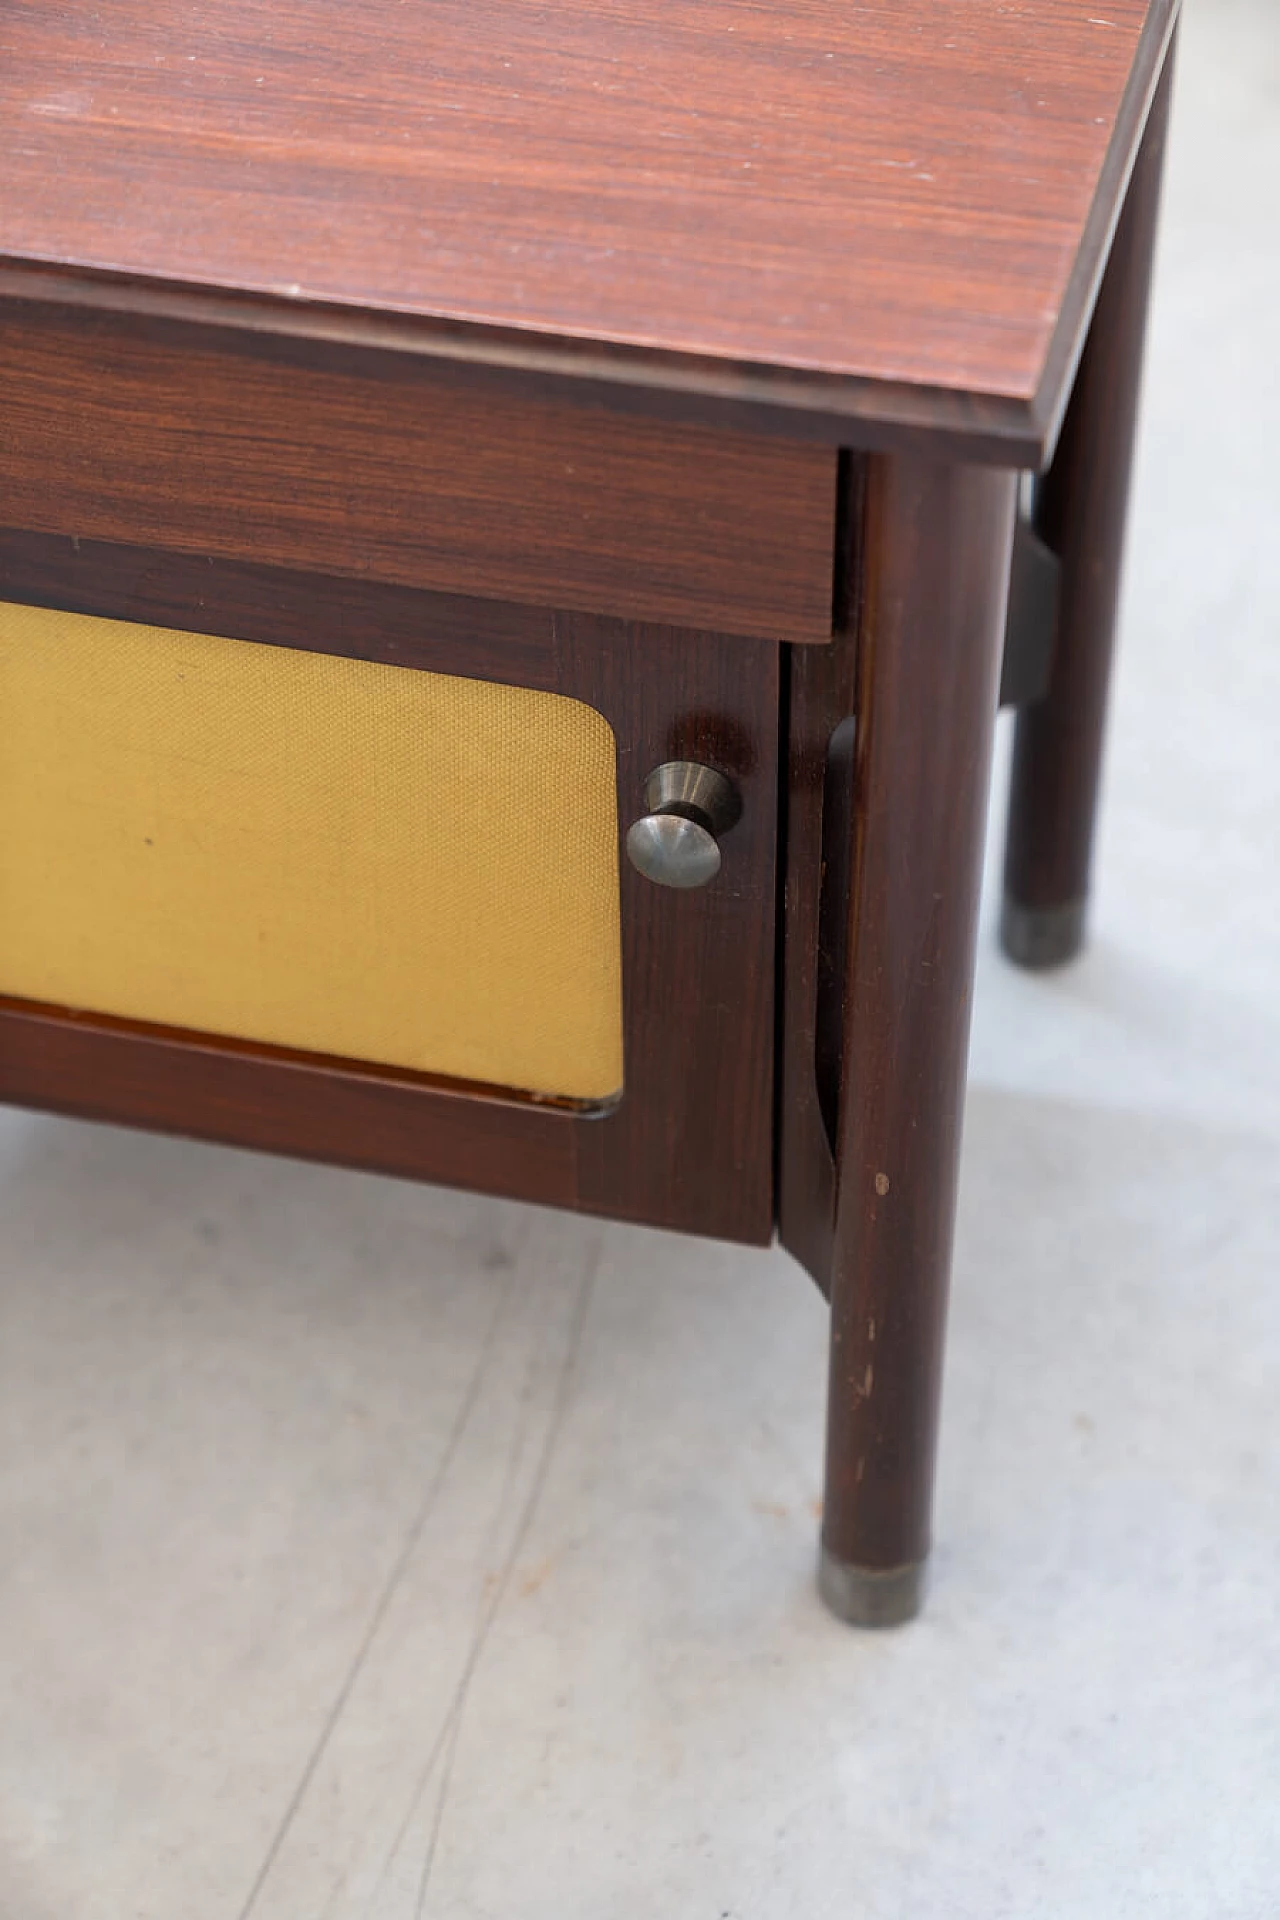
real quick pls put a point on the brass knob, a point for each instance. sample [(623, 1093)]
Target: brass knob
[(677, 843)]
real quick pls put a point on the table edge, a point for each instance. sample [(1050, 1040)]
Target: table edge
[(971, 424)]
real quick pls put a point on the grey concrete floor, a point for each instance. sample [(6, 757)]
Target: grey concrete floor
[(368, 1550)]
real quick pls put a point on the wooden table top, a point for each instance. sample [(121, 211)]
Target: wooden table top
[(891, 213)]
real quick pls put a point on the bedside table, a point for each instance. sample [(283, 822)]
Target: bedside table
[(511, 537)]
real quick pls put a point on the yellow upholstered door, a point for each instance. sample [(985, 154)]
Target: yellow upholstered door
[(398, 867)]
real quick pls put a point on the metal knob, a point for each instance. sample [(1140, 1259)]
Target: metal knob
[(677, 844)]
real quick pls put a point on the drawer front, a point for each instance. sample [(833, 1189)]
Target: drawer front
[(337, 869), (380, 466)]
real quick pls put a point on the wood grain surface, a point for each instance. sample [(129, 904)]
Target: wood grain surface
[(319, 613), (208, 445), (886, 211)]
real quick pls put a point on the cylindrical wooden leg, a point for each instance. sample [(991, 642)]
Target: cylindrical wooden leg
[(937, 546), (1080, 513)]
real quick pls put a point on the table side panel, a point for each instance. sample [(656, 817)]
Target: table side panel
[(390, 471)]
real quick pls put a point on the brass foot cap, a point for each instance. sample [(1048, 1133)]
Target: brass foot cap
[(871, 1596), (1039, 937)]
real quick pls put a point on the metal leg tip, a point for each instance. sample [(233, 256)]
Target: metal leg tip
[(871, 1596), (1039, 937)]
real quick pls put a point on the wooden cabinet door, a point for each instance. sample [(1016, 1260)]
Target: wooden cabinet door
[(675, 1127)]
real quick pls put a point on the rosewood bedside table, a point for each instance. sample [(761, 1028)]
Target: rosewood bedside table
[(512, 531)]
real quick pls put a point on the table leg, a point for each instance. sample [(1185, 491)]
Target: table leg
[(1080, 512), (937, 547)]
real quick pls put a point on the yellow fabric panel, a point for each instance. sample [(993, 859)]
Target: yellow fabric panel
[(401, 867)]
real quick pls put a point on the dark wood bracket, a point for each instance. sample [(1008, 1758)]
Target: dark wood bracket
[(1031, 623)]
